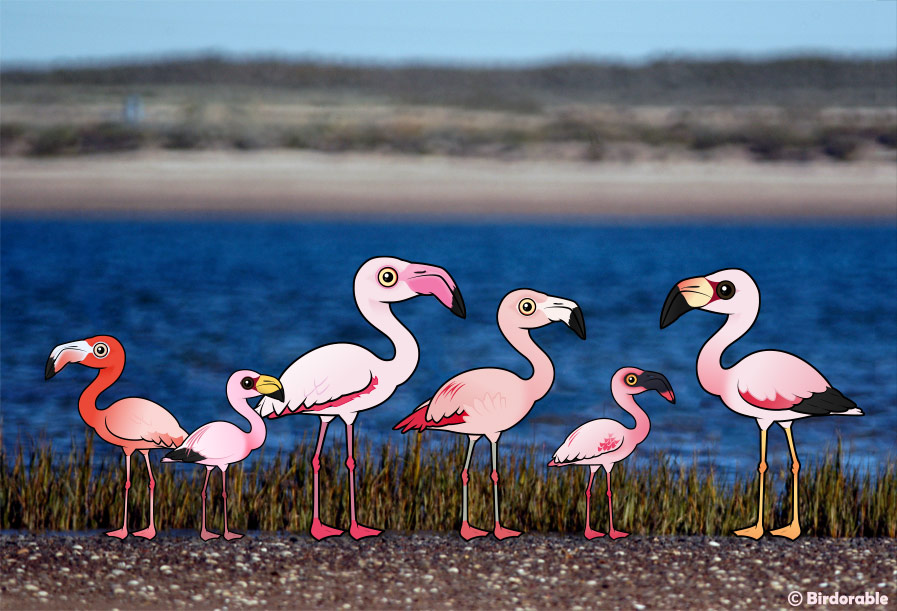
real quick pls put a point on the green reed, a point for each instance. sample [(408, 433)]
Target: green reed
[(408, 487)]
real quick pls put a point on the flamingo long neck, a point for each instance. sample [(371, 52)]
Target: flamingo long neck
[(642, 423), (540, 382), (711, 373), (87, 403), (402, 365), (257, 429)]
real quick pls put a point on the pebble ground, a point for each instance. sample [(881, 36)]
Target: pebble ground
[(435, 571)]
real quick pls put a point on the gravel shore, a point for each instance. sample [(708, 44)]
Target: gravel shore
[(426, 570)]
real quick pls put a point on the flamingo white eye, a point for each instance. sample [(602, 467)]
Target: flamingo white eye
[(526, 306), (247, 383), (725, 290), (388, 277), (100, 350), (631, 379)]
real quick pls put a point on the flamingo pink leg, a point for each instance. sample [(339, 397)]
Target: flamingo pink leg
[(356, 530), (614, 534), (500, 531), (150, 531), (590, 533), (227, 533), (204, 533), (122, 532), (320, 530), (468, 532)]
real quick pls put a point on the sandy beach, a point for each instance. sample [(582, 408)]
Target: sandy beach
[(320, 184)]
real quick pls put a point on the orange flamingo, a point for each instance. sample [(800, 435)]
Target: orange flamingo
[(132, 424)]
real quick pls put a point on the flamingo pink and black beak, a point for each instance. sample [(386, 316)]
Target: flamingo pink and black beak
[(432, 280), (567, 312), (63, 354), (651, 380), (687, 295)]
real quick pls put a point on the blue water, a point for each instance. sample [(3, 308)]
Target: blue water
[(194, 301)]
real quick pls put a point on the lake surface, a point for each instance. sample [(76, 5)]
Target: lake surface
[(194, 301)]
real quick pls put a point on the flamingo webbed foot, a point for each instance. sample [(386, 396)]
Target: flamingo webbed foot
[(617, 534), (230, 536), (468, 532), (505, 533), (357, 531), (207, 535), (146, 533), (792, 531), (121, 533), (592, 534), (753, 532), (319, 530)]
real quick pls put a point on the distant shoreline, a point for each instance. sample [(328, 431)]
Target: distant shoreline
[(219, 183)]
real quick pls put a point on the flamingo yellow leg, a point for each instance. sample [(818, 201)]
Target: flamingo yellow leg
[(756, 531), (468, 532), (204, 533), (792, 531), (150, 531), (122, 532), (590, 533)]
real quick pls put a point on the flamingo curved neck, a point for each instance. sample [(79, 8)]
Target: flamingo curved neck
[(642, 423), (400, 367), (257, 429), (539, 383), (87, 402), (711, 373)]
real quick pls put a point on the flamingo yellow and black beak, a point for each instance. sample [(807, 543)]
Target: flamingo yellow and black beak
[(270, 386), (567, 312), (63, 354), (651, 380), (687, 295), (432, 280)]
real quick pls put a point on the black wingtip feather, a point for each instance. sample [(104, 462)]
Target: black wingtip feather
[(829, 401), (184, 455)]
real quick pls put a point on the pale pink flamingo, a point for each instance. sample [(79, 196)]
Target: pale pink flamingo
[(345, 379), (133, 424), (490, 401), (769, 385), (221, 444), (604, 442)]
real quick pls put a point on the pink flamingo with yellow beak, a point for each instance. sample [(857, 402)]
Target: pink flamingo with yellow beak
[(341, 380), (134, 424), (221, 444), (769, 385), (604, 442), (490, 401)]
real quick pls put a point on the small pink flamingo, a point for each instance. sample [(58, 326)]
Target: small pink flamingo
[(133, 424), (769, 385), (604, 442), (345, 379), (221, 444), (490, 401)]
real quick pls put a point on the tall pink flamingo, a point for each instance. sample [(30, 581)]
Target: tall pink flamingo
[(490, 401), (221, 444), (133, 424), (604, 442), (769, 385), (345, 379)]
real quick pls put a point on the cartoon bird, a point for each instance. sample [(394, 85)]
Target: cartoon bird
[(490, 401), (769, 385), (133, 424), (604, 442), (345, 379), (221, 444)]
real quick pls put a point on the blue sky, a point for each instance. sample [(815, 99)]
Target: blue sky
[(38, 31)]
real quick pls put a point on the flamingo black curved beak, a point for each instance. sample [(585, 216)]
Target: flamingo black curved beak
[(687, 295), (63, 354), (651, 380), (577, 322)]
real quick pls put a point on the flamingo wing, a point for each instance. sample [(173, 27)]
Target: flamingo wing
[(215, 440), (328, 376), (776, 380), (590, 440), (137, 419)]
